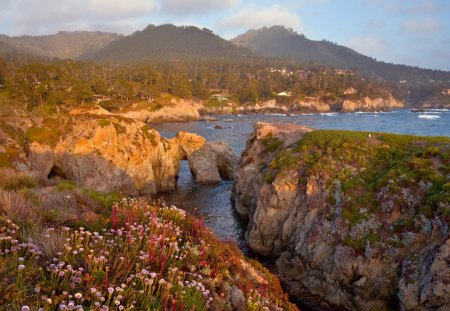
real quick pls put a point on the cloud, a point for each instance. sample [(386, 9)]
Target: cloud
[(425, 6), (186, 7), (366, 45), (48, 16), (256, 18), (421, 26)]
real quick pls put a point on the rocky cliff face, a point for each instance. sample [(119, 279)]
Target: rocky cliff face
[(354, 221), (111, 153), (188, 110)]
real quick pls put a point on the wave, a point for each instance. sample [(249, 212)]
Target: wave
[(277, 114), (439, 109), (428, 116), (329, 114)]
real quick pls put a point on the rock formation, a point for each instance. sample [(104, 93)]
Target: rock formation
[(109, 152), (355, 222), (175, 111)]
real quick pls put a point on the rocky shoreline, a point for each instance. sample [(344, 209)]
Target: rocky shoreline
[(106, 152), (190, 110), (353, 221)]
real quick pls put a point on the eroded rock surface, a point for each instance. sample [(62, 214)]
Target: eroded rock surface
[(112, 153), (347, 216)]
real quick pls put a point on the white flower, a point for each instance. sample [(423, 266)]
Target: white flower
[(21, 267), (25, 308), (78, 295)]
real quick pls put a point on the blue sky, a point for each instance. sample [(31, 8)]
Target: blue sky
[(413, 32)]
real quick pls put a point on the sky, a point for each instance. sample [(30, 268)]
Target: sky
[(412, 32)]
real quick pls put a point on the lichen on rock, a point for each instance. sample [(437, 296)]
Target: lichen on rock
[(354, 221)]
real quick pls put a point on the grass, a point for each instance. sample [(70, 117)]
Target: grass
[(65, 185), (10, 179), (104, 122), (4, 160), (149, 134), (271, 143), (49, 133)]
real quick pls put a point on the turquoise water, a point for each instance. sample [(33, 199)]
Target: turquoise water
[(213, 201)]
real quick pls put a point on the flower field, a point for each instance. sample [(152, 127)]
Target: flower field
[(144, 256)]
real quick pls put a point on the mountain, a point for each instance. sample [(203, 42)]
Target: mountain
[(63, 45), (277, 41), (169, 42)]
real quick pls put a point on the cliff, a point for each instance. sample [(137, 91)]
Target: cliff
[(105, 152), (355, 221), (190, 110)]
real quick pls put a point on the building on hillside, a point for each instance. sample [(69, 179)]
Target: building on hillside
[(219, 97), (446, 92), (101, 97), (285, 94), (344, 72), (350, 91)]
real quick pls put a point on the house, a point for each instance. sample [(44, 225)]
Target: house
[(101, 97), (350, 91), (402, 81), (446, 92), (343, 72), (219, 97), (285, 94)]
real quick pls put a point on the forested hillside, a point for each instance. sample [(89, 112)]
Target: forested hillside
[(280, 42), (57, 85), (169, 42), (63, 45)]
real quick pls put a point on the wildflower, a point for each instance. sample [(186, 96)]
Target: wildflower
[(78, 295), (37, 290), (20, 259), (110, 290), (117, 302), (93, 290), (21, 267), (25, 308)]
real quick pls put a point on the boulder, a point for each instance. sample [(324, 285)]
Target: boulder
[(175, 111), (212, 162)]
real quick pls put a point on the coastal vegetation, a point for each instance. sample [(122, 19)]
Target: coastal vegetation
[(65, 248), (50, 87), (363, 214)]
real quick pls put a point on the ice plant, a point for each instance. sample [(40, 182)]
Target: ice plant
[(148, 259)]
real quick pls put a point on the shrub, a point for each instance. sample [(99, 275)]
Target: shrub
[(271, 143), (104, 122), (104, 199)]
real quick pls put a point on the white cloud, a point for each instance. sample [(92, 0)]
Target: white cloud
[(48, 16), (421, 26), (256, 18), (186, 7), (366, 45)]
